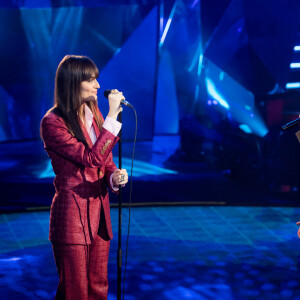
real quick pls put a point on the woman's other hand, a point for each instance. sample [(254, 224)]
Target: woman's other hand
[(120, 177)]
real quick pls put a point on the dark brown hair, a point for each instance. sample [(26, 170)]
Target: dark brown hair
[(71, 71)]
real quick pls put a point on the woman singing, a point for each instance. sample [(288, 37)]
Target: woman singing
[(79, 142)]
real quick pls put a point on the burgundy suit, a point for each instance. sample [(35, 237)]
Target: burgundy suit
[(82, 176)]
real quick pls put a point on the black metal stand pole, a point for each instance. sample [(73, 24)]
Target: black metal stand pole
[(119, 259)]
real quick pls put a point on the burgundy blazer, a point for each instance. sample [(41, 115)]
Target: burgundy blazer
[(82, 175)]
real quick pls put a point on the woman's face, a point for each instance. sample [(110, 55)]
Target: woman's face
[(89, 88)]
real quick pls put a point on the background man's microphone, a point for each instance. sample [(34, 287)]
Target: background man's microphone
[(290, 124), (123, 101)]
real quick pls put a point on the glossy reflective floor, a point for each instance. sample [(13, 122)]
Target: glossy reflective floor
[(174, 253)]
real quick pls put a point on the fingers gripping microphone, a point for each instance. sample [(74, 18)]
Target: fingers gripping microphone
[(123, 101)]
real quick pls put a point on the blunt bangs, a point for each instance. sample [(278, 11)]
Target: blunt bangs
[(89, 70)]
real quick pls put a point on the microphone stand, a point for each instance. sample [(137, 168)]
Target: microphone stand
[(119, 255)]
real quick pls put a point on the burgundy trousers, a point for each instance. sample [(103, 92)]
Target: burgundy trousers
[(82, 270)]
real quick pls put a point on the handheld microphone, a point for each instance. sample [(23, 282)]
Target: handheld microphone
[(290, 124), (123, 101)]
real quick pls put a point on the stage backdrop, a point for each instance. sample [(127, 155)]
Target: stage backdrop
[(36, 35), (171, 59)]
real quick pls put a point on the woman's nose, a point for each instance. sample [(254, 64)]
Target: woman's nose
[(97, 85)]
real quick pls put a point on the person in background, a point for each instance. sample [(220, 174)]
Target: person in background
[(79, 143)]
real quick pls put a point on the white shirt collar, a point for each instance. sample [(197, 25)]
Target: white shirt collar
[(88, 118)]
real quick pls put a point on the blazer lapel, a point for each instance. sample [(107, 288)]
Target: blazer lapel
[(96, 128)]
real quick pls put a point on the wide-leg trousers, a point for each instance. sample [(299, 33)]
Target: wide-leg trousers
[(82, 270)]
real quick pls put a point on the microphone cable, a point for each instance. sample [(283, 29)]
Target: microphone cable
[(130, 196)]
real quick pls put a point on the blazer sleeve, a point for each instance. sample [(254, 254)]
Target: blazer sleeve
[(57, 138)]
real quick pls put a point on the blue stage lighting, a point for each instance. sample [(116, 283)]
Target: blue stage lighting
[(245, 128), (194, 4), (292, 85), (10, 259), (295, 65), (168, 25), (297, 48), (212, 91), (140, 169), (238, 101)]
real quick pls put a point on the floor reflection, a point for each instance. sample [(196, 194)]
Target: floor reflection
[(174, 253)]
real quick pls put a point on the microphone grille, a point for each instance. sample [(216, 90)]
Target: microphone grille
[(106, 93)]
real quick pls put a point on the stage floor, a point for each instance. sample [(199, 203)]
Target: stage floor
[(194, 233), (217, 253)]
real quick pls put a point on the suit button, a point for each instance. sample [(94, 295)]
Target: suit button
[(102, 151), (101, 173), (108, 141), (104, 147)]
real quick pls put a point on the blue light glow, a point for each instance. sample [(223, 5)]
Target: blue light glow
[(47, 172), (168, 25), (245, 128), (221, 76), (161, 24), (297, 48), (295, 65), (292, 85), (198, 74), (240, 102), (117, 51), (140, 169), (200, 64), (197, 59), (194, 4), (161, 18), (212, 91), (10, 259)]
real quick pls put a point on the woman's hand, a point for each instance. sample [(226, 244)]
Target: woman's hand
[(120, 177), (114, 100)]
